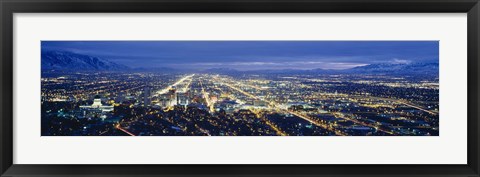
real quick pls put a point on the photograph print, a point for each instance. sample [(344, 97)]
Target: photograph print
[(240, 88)]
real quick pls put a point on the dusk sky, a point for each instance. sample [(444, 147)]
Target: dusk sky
[(252, 55)]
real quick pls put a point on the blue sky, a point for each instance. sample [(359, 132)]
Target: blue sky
[(253, 55)]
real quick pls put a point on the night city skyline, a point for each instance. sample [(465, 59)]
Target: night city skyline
[(240, 88)]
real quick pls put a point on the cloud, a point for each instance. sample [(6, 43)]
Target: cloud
[(400, 61), (301, 65)]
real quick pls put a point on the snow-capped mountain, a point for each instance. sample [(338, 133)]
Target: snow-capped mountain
[(381, 68), (390, 68), (62, 60)]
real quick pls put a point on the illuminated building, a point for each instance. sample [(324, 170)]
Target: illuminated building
[(146, 96), (172, 97), (182, 98), (97, 105)]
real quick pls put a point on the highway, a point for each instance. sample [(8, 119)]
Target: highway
[(273, 126), (123, 130), (324, 126), (363, 124), (397, 101), (165, 90), (203, 130), (205, 94)]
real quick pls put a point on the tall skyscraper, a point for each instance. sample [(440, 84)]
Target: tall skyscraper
[(147, 94), (172, 96)]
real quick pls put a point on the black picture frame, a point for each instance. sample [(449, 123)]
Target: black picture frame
[(9, 7)]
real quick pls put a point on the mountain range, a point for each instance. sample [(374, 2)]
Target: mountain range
[(396, 68), (381, 68), (62, 60)]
